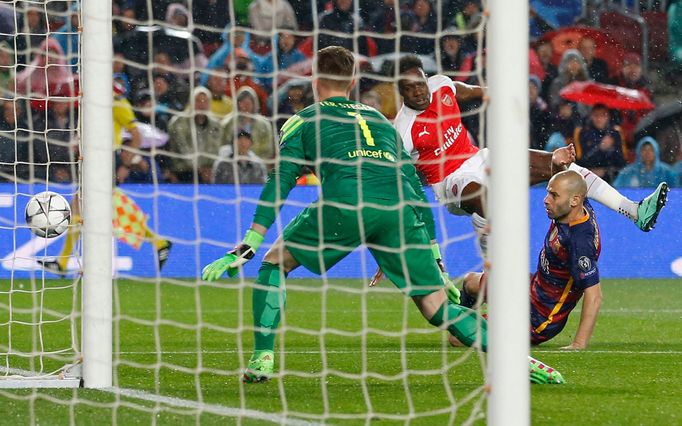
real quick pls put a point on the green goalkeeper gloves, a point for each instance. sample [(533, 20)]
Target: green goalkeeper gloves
[(235, 258), (450, 289)]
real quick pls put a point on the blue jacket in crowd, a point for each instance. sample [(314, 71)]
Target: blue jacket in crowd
[(636, 175)]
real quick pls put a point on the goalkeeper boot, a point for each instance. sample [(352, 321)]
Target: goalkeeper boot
[(162, 253), (650, 207), (52, 266), (543, 374), (260, 368)]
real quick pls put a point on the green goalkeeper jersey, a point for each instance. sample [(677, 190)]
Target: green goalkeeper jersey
[(354, 151)]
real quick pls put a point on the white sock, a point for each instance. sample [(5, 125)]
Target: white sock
[(480, 226), (601, 192)]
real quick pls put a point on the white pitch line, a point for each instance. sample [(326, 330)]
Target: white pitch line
[(560, 351), (410, 351), (209, 408)]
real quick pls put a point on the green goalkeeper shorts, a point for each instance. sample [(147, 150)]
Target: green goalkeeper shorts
[(320, 236)]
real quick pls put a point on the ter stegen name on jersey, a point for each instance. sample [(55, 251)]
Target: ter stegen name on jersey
[(295, 121)]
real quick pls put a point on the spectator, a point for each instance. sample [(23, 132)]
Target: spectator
[(631, 77), (597, 67), (146, 113), (221, 104), (14, 140), (68, 35), (32, 31), (134, 46), (341, 19), (545, 52), (424, 22), (539, 115), (295, 95), (599, 144), (167, 101), (648, 170), (244, 65), (47, 75), (219, 57), (7, 70), (211, 14), (564, 119), (194, 140), (243, 168), (386, 90), (287, 52), (150, 10), (451, 54), (271, 15), (537, 24), (468, 20), (383, 22), (246, 119), (55, 142), (675, 33), (572, 68), (184, 49)]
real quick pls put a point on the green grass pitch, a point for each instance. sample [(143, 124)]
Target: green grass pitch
[(181, 340)]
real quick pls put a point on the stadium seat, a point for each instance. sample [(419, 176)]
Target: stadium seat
[(658, 35)]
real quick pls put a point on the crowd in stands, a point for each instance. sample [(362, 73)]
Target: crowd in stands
[(210, 86)]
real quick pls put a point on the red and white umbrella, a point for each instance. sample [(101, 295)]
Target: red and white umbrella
[(614, 97)]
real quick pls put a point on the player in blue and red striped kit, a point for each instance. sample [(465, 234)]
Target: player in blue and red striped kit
[(567, 265)]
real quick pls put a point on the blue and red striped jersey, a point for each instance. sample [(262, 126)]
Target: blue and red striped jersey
[(567, 265)]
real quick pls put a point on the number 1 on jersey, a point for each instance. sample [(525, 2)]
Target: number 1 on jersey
[(363, 126)]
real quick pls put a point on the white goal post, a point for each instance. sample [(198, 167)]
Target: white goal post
[(97, 192), (509, 308), (99, 355)]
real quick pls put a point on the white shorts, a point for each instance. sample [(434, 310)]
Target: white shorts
[(449, 191)]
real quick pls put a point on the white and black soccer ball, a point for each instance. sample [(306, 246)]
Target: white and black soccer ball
[(48, 214)]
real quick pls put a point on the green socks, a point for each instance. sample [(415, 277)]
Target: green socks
[(462, 323), (269, 298)]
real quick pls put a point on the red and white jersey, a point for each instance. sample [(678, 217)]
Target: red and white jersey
[(436, 138)]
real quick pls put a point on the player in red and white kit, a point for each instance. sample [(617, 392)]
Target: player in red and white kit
[(430, 125)]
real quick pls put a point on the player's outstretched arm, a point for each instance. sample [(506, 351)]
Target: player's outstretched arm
[(467, 92), (280, 182), (588, 318)]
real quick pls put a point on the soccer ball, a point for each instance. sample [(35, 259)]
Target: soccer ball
[(48, 214)]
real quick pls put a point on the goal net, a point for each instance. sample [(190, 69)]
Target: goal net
[(210, 85)]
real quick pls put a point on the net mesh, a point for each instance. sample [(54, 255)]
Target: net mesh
[(344, 352)]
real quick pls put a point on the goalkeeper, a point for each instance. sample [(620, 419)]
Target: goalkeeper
[(369, 190)]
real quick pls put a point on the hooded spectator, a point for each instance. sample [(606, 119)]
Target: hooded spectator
[(47, 75), (194, 140), (271, 15), (242, 67), (648, 170), (572, 68), (247, 119)]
